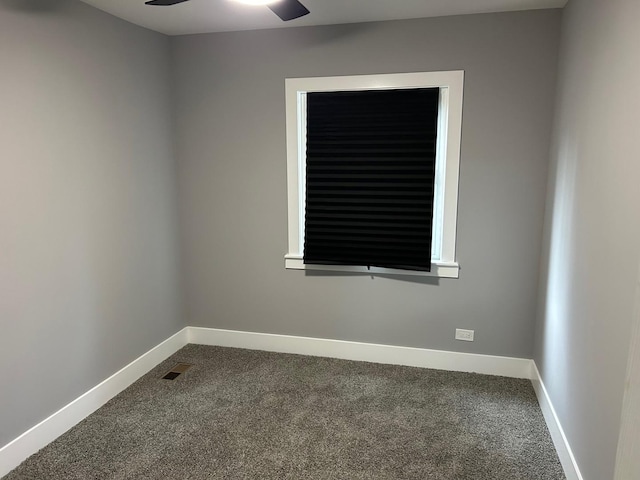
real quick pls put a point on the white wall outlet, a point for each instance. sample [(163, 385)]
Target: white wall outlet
[(466, 335)]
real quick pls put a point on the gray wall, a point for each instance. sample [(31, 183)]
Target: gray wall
[(592, 232), (88, 250), (232, 180)]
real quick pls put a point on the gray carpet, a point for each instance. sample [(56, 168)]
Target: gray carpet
[(240, 414)]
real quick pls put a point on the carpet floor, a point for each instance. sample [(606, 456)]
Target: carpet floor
[(241, 414)]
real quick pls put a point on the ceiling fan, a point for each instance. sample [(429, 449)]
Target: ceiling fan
[(285, 9)]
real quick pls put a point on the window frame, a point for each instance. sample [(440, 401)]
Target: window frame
[(451, 84)]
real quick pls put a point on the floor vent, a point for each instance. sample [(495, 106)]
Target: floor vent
[(177, 370)]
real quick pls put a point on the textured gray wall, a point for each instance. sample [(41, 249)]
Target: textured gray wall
[(232, 180), (88, 250), (592, 229)]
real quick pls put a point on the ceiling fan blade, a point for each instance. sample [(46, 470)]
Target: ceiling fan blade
[(164, 2), (288, 9)]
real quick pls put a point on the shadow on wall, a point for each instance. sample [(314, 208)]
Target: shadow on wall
[(310, 37), (37, 6), (373, 276)]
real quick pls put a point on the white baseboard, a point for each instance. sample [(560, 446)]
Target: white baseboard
[(366, 352), (12, 454), (18, 450), (568, 461)]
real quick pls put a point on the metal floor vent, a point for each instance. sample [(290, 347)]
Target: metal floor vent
[(177, 370)]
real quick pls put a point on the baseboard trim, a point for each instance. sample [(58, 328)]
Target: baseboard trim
[(18, 450), (568, 461), (366, 352)]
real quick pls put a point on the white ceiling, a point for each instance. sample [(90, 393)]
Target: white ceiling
[(200, 16)]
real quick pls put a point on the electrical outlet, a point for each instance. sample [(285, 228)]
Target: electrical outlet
[(466, 335)]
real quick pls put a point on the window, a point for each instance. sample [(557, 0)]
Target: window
[(449, 87)]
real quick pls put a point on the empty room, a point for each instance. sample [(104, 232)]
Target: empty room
[(319, 239)]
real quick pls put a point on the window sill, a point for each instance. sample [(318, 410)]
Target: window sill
[(438, 269)]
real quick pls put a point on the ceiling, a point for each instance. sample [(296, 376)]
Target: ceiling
[(200, 16)]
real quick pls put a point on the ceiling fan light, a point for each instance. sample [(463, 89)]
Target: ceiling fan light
[(258, 2)]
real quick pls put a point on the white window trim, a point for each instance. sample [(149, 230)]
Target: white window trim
[(452, 82)]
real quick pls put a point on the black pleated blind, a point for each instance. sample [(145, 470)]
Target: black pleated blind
[(370, 177)]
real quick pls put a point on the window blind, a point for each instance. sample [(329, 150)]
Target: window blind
[(370, 177)]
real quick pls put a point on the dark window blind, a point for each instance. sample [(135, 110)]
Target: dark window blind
[(370, 177)]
